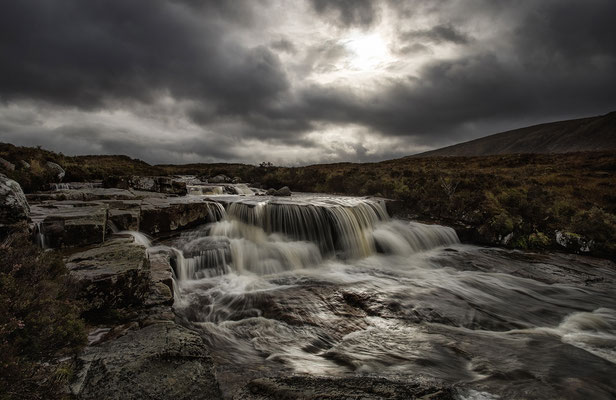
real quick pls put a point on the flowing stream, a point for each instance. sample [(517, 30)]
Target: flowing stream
[(331, 286)]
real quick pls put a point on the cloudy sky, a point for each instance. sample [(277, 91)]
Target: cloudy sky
[(295, 82)]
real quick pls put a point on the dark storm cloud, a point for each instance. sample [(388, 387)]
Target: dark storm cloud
[(514, 64), (437, 34), (86, 54), (347, 12)]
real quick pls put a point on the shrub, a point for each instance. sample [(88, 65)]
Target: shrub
[(38, 321)]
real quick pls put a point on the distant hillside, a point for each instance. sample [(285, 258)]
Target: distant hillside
[(585, 134)]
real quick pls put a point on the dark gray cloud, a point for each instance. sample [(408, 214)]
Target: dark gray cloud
[(206, 80), (87, 54), (347, 12), (437, 34)]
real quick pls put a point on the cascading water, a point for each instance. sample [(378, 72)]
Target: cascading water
[(333, 286), (39, 235)]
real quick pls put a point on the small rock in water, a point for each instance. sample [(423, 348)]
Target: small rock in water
[(283, 191)]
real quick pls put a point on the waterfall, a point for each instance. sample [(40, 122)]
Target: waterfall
[(403, 239), (140, 238), (274, 236), (40, 238), (336, 225), (243, 189)]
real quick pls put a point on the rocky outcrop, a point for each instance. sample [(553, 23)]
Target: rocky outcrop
[(57, 170), (159, 361), (159, 184), (146, 354), (167, 215), (69, 224), (14, 207), (113, 275)]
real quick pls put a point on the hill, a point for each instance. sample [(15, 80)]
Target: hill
[(584, 134)]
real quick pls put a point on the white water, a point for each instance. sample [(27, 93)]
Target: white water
[(333, 286)]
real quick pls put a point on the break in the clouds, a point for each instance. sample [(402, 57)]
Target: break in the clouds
[(295, 82)]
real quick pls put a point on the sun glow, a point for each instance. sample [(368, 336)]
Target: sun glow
[(367, 51)]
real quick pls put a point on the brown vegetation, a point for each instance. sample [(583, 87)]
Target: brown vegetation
[(39, 323)]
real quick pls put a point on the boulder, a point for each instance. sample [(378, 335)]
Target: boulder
[(57, 170), (14, 207), (112, 275), (283, 191), (24, 164), (219, 179), (71, 223), (574, 242), (160, 361), (9, 166)]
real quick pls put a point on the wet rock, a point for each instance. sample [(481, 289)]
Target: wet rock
[(166, 215), (161, 277), (283, 191), (365, 388), (57, 170), (9, 166), (158, 184), (71, 224), (113, 275), (160, 361), (14, 207), (124, 215)]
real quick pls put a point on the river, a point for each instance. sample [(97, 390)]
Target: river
[(333, 287)]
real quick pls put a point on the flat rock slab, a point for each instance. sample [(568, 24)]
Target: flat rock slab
[(68, 224), (160, 361), (167, 215), (113, 275), (365, 388), (87, 194)]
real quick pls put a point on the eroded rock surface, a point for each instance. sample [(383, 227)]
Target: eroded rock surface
[(159, 361), (113, 275), (365, 388), (71, 223), (166, 215)]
